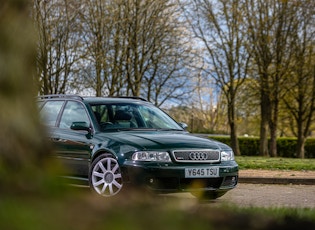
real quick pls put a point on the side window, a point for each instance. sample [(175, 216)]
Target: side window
[(50, 111), (73, 112)]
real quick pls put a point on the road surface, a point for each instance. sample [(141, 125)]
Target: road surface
[(261, 195)]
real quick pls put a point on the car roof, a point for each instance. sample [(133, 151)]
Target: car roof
[(112, 99), (92, 99)]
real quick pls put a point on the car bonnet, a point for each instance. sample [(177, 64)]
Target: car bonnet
[(162, 140)]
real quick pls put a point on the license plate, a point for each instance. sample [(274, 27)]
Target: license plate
[(202, 172)]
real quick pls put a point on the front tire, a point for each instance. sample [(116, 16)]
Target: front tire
[(208, 195), (105, 176)]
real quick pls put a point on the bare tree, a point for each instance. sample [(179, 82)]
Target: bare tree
[(58, 43), (170, 76), (270, 25), (300, 90), (219, 26), (205, 106), (98, 20), (135, 47), (155, 50), (247, 102)]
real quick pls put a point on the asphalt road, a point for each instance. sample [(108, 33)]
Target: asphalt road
[(261, 195), (254, 195), (264, 195)]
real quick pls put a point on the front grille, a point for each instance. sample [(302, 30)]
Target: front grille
[(196, 156)]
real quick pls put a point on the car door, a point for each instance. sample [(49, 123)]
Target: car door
[(49, 113), (74, 146)]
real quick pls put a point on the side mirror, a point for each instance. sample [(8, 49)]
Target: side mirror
[(183, 125), (80, 125)]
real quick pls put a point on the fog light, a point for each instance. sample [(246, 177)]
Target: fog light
[(151, 180)]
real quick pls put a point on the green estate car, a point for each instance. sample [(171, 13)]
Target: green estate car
[(110, 142)]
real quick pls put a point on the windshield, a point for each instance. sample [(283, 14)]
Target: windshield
[(132, 116)]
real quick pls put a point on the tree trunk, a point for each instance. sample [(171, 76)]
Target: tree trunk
[(300, 147), (23, 146), (98, 87), (273, 141), (265, 111), (233, 128), (301, 138), (234, 140), (273, 129)]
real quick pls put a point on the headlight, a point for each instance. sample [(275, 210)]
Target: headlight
[(227, 155), (151, 156)]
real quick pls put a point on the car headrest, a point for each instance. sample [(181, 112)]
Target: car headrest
[(122, 116)]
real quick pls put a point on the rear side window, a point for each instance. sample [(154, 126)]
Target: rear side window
[(50, 111)]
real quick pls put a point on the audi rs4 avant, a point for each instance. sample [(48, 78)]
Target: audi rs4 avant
[(109, 143)]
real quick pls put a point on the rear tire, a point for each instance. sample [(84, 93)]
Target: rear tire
[(105, 176)]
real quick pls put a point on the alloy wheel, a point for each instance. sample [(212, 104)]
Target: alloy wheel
[(106, 178)]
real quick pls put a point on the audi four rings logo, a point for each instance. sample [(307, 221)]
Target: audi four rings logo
[(197, 156)]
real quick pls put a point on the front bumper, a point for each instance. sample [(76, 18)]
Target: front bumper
[(171, 178)]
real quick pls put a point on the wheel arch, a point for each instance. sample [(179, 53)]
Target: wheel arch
[(105, 152)]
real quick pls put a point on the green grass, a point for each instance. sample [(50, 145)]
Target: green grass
[(269, 163)]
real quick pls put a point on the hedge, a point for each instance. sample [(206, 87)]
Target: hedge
[(286, 147)]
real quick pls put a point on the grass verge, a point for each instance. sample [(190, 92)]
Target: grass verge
[(269, 163)]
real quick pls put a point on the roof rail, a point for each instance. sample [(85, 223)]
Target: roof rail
[(50, 96), (133, 97)]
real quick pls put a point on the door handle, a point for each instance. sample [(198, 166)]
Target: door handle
[(56, 139)]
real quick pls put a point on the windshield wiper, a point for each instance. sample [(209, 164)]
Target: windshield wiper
[(170, 129), (117, 129)]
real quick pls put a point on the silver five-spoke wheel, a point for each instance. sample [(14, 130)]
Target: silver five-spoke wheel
[(105, 176)]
